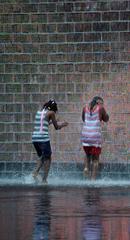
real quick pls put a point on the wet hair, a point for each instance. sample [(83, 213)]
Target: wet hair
[(51, 105), (94, 102)]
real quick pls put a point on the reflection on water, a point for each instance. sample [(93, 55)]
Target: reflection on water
[(92, 225), (64, 213), (42, 221)]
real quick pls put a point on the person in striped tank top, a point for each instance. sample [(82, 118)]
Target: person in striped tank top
[(40, 136), (92, 115)]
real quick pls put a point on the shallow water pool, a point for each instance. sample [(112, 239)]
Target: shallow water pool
[(68, 211)]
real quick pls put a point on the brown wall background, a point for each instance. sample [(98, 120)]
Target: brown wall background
[(71, 51)]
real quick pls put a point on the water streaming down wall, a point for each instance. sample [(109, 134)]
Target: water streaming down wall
[(71, 51)]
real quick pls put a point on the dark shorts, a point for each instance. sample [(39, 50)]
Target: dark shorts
[(43, 149), (92, 150)]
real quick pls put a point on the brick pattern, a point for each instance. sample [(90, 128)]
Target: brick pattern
[(71, 51)]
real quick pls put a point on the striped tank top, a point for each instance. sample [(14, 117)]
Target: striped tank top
[(91, 131), (40, 133)]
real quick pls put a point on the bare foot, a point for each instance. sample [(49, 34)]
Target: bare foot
[(35, 174), (86, 172), (44, 181)]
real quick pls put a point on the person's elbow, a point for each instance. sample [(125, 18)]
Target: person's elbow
[(57, 127)]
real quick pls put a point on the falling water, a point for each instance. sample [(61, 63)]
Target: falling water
[(108, 176)]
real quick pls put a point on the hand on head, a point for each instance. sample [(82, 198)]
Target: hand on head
[(100, 103)]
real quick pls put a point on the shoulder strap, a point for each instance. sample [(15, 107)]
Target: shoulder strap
[(41, 120)]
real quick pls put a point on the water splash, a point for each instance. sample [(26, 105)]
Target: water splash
[(56, 181)]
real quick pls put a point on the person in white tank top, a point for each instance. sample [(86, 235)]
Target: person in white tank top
[(92, 115), (40, 136)]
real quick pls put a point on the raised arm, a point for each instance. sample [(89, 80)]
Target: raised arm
[(103, 115), (83, 114), (57, 126)]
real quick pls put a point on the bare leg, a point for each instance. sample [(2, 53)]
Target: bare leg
[(46, 168), (95, 166), (38, 167), (87, 162)]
